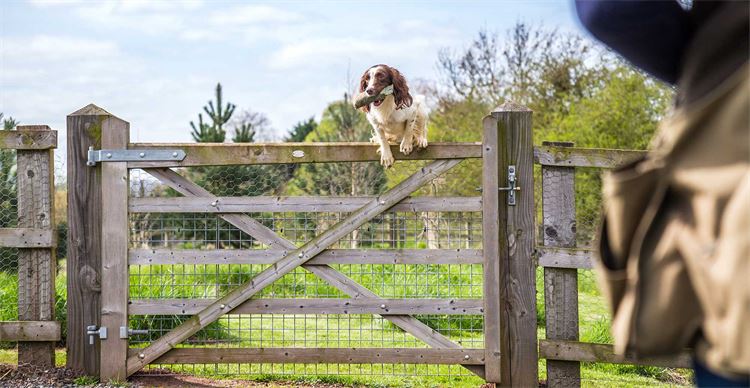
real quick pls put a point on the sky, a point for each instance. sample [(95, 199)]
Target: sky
[(155, 63)]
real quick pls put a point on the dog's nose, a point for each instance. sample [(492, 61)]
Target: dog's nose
[(370, 91)]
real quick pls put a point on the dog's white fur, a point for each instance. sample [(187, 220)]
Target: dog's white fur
[(406, 126)]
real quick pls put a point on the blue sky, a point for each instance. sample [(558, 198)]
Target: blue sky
[(155, 63)]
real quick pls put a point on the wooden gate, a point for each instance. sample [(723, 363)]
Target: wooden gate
[(507, 306)]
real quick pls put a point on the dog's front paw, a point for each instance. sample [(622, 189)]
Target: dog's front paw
[(406, 146), (386, 159), (422, 142)]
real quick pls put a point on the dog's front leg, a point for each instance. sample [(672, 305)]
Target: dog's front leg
[(407, 143), (386, 157)]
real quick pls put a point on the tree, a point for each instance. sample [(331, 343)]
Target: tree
[(300, 131), (219, 115), (577, 92)]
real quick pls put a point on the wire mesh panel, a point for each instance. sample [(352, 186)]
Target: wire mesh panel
[(186, 278), (9, 308)]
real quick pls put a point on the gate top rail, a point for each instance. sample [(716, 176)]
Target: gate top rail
[(224, 154), (29, 137), (583, 157)]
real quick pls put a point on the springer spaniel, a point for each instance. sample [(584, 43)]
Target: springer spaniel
[(397, 117)]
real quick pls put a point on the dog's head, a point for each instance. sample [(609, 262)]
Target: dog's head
[(378, 77)]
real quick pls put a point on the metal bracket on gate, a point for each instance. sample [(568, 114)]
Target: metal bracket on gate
[(512, 188), (98, 156), (94, 330), (125, 332)]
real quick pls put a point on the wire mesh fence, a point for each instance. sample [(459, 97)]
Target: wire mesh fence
[(20, 300), (392, 230)]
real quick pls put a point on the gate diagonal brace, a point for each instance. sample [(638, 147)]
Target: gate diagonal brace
[(294, 259)]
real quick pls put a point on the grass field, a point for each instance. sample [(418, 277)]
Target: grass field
[(350, 330)]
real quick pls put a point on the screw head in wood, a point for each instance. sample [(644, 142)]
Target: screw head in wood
[(223, 306), (174, 154), (141, 356), (109, 155), (382, 306), (300, 255), (466, 357), (142, 154)]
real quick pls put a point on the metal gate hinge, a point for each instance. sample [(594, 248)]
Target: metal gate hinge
[(97, 156), (511, 188), (93, 330)]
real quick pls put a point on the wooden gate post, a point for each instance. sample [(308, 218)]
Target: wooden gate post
[(115, 232), (560, 284), (89, 127), (508, 244), (36, 266)]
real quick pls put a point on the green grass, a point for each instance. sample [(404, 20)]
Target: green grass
[(364, 331)]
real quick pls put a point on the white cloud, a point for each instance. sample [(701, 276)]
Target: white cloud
[(253, 14)]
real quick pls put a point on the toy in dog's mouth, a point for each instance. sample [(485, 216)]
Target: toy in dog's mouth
[(365, 99)]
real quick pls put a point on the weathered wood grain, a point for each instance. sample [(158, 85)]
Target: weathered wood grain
[(223, 154), (554, 155), (588, 352), (84, 237), (314, 306), (114, 245), (289, 262), (295, 204), (328, 256), (517, 270), (493, 247), (29, 137), (560, 284), (27, 237), (565, 258), (36, 261), (319, 355), (30, 331)]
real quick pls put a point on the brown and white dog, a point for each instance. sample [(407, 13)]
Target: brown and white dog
[(398, 117)]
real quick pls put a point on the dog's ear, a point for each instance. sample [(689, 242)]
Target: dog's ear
[(400, 89), (362, 87)]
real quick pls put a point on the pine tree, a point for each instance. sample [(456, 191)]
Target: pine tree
[(300, 131), (219, 115)]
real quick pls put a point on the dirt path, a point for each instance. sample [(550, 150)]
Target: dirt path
[(25, 377)]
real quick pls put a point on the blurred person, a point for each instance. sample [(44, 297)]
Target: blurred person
[(674, 246)]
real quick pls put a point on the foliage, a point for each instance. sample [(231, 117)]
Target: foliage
[(299, 132), (340, 122), (219, 115)]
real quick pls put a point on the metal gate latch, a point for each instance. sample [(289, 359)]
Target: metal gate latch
[(125, 332), (97, 156), (511, 188), (93, 330)]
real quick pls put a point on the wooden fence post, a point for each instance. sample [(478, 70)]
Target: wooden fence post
[(115, 232), (84, 267), (510, 287), (560, 284), (36, 266)]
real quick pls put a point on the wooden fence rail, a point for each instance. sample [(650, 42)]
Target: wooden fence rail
[(36, 331)]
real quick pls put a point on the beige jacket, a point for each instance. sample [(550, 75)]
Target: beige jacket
[(675, 241)]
